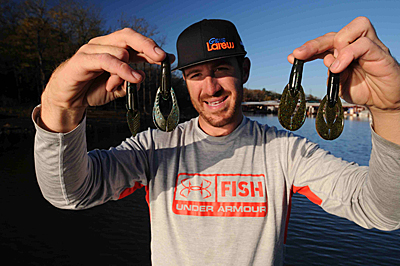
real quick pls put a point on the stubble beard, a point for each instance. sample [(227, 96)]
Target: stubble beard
[(222, 117)]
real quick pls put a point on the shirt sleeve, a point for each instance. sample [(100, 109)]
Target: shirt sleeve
[(72, 178), (369, 196)]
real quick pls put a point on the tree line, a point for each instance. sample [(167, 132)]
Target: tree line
[(259, 95), (35, 37), (251, 95)]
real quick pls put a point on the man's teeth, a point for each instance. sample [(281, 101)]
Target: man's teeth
[(215, 103)]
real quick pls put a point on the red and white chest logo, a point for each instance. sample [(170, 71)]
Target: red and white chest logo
[(229, 195)]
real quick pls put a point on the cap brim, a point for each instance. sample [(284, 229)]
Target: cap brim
[(208, 60)]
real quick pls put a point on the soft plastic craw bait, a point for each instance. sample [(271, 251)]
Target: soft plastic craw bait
[(292, 107), (164, 97), (330, 117), (133, 115)]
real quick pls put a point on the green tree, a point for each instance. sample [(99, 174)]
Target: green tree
[(35, 38), (142, 26), (10, 70), (150, 84), (36, 33)]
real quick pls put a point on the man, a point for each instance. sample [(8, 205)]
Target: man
[(219, 186)]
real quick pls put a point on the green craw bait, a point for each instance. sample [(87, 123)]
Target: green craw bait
[(292, 107), (133, 115), (330, 117), (165, 116)]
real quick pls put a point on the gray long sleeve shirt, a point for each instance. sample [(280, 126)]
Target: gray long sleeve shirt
[(219, 200)]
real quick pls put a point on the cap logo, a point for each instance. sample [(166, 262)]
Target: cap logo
[(215, 44)]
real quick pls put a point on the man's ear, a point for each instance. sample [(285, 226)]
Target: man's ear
[(246, 70)]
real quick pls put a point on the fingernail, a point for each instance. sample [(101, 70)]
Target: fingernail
[(335, 53), (158, 50), (301, 48), (335, 65), (136, 75)]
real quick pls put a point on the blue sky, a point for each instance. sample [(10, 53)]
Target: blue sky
[(270, 30)]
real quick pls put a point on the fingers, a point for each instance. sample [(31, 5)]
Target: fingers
[(125, 45), (358, 28), (96, 73), (91, 60), (363, 50), (82, 69), (134, 56), (113, 83), (120, 53), (127, 38), (357, 39), (314, 49)]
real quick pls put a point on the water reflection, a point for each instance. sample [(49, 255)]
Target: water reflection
[(354, 144), (117, 233), (318, 238)]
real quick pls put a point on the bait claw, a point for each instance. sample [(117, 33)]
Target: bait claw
[(330, 120), (165, 93), (330, 116), (166, 124), (292, 115)]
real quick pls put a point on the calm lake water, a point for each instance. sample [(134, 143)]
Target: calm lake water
[(33, 232), (318, 238)]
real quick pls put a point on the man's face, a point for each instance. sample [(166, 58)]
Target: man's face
[(216, 91)]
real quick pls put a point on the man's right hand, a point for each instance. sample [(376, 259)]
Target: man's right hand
[(95, 76)]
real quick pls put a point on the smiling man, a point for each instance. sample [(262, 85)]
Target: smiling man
[(216, 91), (215, 71), (219, 186)]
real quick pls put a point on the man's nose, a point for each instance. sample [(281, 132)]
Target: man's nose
[(211, 86)]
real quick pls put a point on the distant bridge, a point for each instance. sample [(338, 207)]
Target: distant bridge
[(271, 107)]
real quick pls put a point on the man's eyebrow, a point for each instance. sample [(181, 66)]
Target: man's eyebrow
[(191, 71), (216, 63), (223, 62)]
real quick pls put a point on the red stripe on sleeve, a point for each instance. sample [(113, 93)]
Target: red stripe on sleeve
[(289, 210), (130, 190), (306, 191)]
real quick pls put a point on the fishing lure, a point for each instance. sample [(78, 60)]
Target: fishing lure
[(292, 107), (133, 115), (166, 110), (330, 116)]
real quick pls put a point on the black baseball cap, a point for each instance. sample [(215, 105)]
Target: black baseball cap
[(208, 40)]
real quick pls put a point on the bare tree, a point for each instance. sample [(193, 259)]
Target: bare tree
[(35, 30), (35, 37), (75, 25), (142, 26)]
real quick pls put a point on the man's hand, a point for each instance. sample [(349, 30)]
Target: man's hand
[(370, 76), (95, 76)]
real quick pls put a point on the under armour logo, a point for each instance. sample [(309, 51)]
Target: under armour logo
[(188, 188), (221, 195)]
